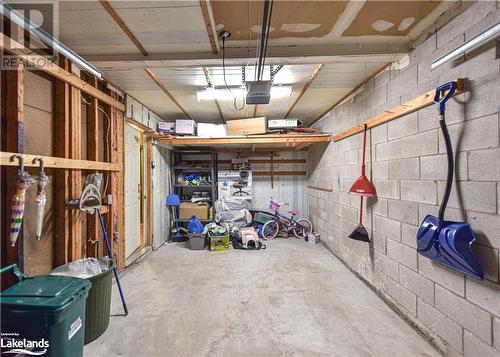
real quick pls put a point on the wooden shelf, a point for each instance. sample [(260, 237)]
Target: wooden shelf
[(194, 186), (201, 220), (59, 163), (188, 168), (410, 106), (268, 142)]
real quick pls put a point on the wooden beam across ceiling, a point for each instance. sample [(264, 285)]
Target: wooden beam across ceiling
[(166, 91), (209, 83), (351, 92), (204, 4), (311, 79), (119, 21)]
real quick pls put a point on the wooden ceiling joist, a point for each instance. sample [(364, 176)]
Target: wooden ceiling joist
[(208, 24), (166, 91), (351, 92), (209, 83), (119, 21), (54, 70), (311, 79)]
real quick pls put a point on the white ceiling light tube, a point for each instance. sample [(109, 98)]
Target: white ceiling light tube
[(49, 40), (476, 41), (281, 91)]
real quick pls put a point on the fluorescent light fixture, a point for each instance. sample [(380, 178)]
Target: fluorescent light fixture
[(476, 41), (9, 13), (211, 93), (281, 91)]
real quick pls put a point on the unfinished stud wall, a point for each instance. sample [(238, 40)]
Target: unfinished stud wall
[(407, 162), (38, 123)]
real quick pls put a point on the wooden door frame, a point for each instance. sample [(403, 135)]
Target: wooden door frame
[(146, 226)]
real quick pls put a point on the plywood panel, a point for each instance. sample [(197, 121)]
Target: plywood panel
[(289, 18), (39, 129), (400, 16)]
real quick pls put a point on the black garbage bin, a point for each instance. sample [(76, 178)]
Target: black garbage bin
[(98, 304)]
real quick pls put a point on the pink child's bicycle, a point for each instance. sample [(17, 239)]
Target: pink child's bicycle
[(300, 227)]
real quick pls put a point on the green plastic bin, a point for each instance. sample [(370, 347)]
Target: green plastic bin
[(44, 313), (98, 306)]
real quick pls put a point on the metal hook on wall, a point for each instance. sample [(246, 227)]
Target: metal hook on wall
[(41, 197), (20, 159), (42, 165)]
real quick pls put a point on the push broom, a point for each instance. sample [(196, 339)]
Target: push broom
[(364, 188)]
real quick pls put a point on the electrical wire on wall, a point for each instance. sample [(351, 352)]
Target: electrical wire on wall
[(224, 35), (106, 142)]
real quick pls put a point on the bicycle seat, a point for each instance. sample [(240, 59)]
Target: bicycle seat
[(294, 213)]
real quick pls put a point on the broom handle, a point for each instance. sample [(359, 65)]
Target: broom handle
[(361, 211), (364, 150)]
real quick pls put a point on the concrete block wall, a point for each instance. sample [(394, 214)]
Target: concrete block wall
[(407, 163)]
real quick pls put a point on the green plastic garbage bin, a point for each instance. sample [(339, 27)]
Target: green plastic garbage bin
[(98, 305), (43, 313)]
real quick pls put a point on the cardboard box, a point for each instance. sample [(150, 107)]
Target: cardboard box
[(207, 130), (185, 127), (188, 209), (282, 123), (247, 126), (165, 127), (235, 184)]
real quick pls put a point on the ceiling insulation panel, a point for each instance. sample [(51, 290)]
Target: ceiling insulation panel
[(87, 30), (158, 102), (315, 101), (203, 111), (343, 75)]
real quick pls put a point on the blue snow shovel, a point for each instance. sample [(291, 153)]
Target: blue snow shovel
[(446, 242)]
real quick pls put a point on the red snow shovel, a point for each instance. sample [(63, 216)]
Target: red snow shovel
[(364, 188)]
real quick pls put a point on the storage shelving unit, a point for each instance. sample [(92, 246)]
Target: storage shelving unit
[(180, 160)]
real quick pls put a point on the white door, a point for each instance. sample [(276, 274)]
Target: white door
[(132, 190), (161, 214)]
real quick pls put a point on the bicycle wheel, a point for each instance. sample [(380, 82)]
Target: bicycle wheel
[(270, 230), (303, 228)]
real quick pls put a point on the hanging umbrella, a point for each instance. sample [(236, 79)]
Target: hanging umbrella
[(41, 197), (23, 181)]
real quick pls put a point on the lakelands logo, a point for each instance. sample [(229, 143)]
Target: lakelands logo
[(16, 345)]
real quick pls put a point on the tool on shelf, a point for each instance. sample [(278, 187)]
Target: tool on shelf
[(41, 197), (23, 181), (364, 188), (446, 242)]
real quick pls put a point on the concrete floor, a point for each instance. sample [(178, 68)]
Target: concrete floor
[(293, 299)]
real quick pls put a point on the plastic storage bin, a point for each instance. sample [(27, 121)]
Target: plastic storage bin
[(98, 305), (197, 241), (219, 243), (44, 313)]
